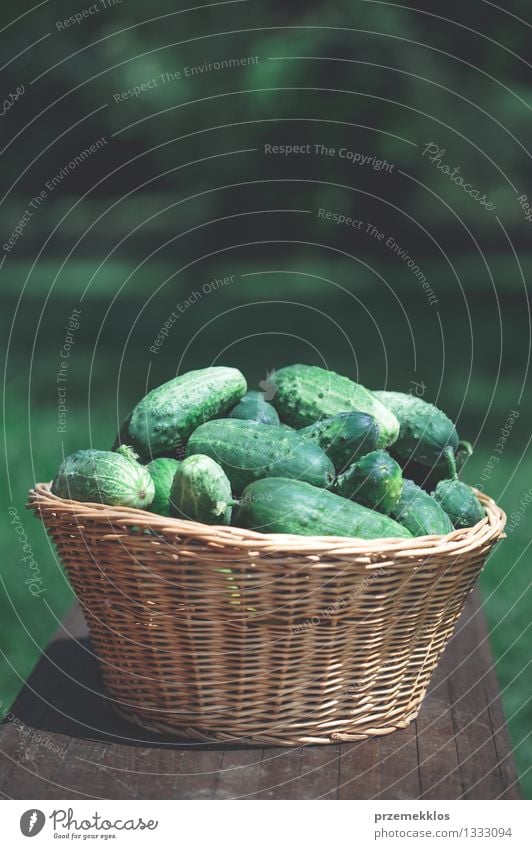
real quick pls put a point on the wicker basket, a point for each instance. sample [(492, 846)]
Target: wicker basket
[(220, 634)]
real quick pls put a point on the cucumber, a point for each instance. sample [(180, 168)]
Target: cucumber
[(427, 477), (201, 492), (460, 503), (254, 408), (426, 435), (375, 480), (167, 415), (285, 506), (305, 394), (248, 451), (162, 471), (420, 513), (344, 437), (107, 477)]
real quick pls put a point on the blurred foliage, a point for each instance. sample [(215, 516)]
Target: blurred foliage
[(416, 75)]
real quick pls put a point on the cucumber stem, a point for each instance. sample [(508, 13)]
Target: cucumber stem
[(127, 452), (463, 452), (451, 462)]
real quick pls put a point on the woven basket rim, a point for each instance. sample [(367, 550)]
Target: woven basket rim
[(488, 530)]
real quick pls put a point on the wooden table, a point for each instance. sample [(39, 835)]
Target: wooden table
[(62, 741)]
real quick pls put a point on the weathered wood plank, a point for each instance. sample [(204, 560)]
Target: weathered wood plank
[(309, 772), (398, 760), (439, 767), (279, 772), (457, 748), (473, 691), (359, 772), (320, 772), (30, 748), (240, 773)]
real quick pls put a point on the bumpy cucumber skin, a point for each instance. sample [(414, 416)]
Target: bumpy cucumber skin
[(286, 506), (201, 492), (344, 437), (424, 431), (459, 502), (305, 394), (169, 413), (105, 477), (162, 471), (376, 480), (248, 451), (420, 513), (253, 407)]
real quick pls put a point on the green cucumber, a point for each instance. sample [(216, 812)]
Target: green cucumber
[(344, 437), (375, 480), (107, 477), (167, 415), (286, 506), (253, 407), (306, 394), (248, 451), (201, 492), (427, 477), (420, 513), (460, 503), (426, 435), (162, 471)]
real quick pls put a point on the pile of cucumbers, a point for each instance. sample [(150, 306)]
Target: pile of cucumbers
[(322, 456)]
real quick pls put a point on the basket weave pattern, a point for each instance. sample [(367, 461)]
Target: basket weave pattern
[(221, 634)]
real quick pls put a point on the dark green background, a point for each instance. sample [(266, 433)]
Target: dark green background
[(137, 227)]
